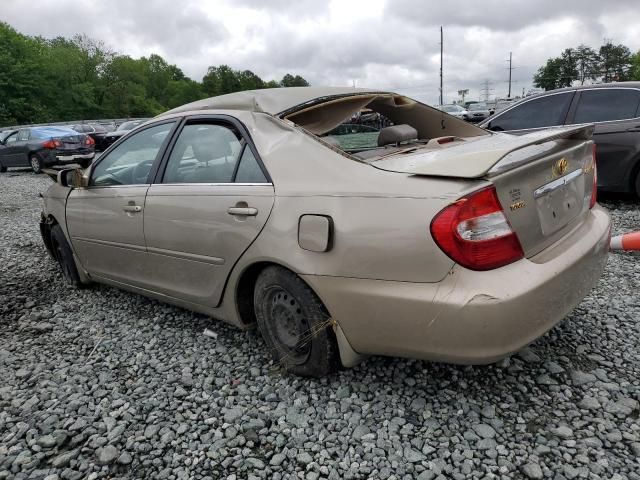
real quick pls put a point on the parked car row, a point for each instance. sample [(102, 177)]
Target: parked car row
[(39, 147), (46, 146), (474, 113)]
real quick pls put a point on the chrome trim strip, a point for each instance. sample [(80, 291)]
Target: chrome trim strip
[(128, 246), (186, 256), (555, 184), (213, 184)]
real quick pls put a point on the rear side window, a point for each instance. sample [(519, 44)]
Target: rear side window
[(23, 135), (204, 153), (546, 111), (604, 105), (249, 170)]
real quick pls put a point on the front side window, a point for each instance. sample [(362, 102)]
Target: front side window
[(13, 138), (130, 162), (602, 105), (546, 111), (204, 153)]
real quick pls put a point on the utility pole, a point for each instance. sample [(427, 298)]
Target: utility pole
[(441, 58), (510, 69)]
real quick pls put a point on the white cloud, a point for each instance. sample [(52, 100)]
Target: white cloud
[(376, 43)]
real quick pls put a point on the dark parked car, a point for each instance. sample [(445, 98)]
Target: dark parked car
[(5, 133), (95, 131), (123, 129), (40, 147), (614, 108)]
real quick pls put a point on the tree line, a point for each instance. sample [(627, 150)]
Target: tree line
[(46, 80), (609, 63)]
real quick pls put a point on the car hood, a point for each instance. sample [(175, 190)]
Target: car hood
[(475, 157)]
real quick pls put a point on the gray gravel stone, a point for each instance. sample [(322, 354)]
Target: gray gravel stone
[(581, 378), (532, 470), (106, 455)]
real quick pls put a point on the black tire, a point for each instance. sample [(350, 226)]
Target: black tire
[(638, 184), (294, 324), (36, 163), (3, 169), (64, 256), (84, 163)]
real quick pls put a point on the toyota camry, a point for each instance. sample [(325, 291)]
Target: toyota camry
[(427, 237)]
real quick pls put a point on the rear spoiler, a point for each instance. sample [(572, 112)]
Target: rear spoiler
[(537, 148), (478, 157)]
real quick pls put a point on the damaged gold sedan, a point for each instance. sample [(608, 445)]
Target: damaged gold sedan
[(343, 222)]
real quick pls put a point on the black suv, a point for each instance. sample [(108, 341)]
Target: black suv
[(612, 107)]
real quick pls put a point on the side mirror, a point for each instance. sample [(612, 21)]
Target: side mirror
[(72, 178)]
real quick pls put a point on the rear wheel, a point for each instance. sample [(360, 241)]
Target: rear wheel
[(3, 169), (638, 184), (294, 324), (64, 256), (36, 163)]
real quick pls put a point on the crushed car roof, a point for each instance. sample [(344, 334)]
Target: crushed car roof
[(269, 100)]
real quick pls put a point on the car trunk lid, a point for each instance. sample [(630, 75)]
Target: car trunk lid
[(71, 142), (544, 181)]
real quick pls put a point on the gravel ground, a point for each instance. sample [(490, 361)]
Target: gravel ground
[(100, 383)]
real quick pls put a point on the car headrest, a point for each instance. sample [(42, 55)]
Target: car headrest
[(396, 134)]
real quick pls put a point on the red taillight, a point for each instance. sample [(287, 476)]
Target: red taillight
[(52, 144), (594, 189), (475, 233), (89, 141)]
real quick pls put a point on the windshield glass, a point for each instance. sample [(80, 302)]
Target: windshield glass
[(478, 106), (451, 108)]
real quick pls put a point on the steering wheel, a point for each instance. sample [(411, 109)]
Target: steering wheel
[(141, 172)]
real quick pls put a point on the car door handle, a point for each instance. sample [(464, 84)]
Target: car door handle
[(243, 211), (132, 208)]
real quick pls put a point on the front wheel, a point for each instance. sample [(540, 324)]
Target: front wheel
[(294, 324), (64, 256), (36, 163), (638, 184)]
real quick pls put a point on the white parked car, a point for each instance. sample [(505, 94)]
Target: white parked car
[(454, 110)]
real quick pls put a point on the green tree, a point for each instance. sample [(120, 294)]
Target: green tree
[(587, 63), (615, 62), (290, 81), (550, 75), (634, 72)]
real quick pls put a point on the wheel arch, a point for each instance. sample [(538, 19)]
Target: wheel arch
[(243, 299)]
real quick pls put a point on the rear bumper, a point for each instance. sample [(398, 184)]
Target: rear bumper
[(55, 157), (470, 317)]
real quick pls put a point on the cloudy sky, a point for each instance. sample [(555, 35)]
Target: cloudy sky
[(375, 43)]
